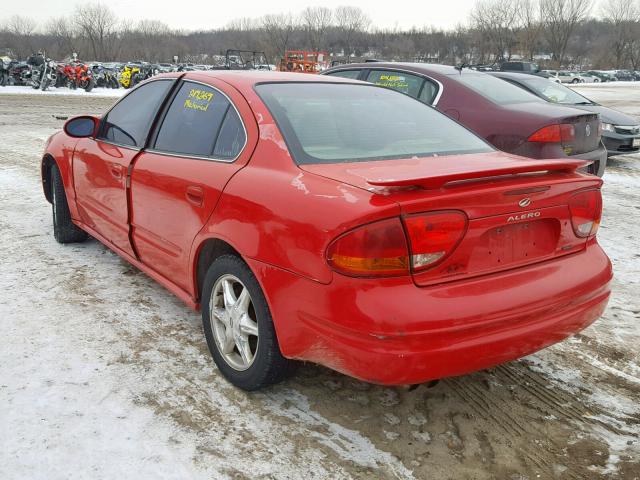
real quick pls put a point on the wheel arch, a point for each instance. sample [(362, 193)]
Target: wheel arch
[(47, 162), (207, 252)]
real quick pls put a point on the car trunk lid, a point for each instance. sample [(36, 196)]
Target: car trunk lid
[(517, 208), (587, 134)]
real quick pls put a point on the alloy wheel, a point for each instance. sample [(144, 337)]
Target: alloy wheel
[(234, 322)]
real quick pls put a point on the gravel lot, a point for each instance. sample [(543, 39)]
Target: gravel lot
[(104, 374)]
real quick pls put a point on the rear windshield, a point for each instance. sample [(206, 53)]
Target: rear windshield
[(494, 89), (555, 92), (333, 123)]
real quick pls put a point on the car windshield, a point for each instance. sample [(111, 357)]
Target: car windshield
[(494, 89), (555, 92), (333, 123)]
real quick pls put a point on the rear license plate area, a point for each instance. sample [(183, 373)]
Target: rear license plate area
[(517, 243)]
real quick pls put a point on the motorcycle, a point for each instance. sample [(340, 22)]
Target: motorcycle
[(16, 72), (78, 75), (104, 77), (128, 75), (4, 72), (40, 77), (84, 78)]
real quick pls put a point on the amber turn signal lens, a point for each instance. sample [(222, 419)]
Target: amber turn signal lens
[(376, 249)]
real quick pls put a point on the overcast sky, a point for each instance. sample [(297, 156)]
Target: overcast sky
[(207, 14)]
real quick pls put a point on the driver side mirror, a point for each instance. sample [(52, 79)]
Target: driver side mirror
[(81, 127)]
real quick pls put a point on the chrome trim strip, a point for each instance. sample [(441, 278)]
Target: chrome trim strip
[(192, 157), (128, 147)]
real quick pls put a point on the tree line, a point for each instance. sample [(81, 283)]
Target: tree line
[(559, 33)]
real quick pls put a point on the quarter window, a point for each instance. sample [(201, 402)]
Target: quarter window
[(197, 117), (231, 138), (400, 81), (128, 123), (429, 92)]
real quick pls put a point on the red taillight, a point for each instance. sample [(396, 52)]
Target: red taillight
[(376, 249), (564, 133), (433, 236), (586, 210)]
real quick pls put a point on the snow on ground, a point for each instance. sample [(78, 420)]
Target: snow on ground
[(104, 374), (605, 85), (96, 92)]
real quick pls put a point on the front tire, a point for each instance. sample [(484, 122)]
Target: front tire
[(64, 229), (239, 328)]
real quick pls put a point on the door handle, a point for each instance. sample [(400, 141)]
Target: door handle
[(194, 195)]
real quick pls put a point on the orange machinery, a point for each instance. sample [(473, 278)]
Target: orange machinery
[(303, 61)]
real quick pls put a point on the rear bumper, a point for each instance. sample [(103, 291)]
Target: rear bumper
[(598, 157), (389, 331)]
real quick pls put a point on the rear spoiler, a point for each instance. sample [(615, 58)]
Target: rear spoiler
[(446, 173)]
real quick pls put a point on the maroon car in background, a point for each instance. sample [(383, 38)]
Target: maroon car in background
[(508, 117)]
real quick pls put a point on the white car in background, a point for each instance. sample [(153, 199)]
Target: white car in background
[(588, 78), (553, 75), (574, 77)]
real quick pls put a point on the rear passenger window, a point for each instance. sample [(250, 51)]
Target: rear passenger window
[(128, 123), (194, 121), (400, 81), (353, 74)]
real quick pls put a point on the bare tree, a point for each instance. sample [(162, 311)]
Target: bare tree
[(496, 20), (19, 25), (351, 21), (530, 26), (560, 18), (99, 26), (61, 29), (623, 15), (278, 29), (316, 21), (21, 32)]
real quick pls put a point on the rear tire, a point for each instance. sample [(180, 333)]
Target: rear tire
[(64, 229), (265, 365)]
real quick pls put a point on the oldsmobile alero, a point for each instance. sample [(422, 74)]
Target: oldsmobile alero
[(333, 221)]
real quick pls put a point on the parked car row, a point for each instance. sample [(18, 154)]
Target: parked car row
[(507, 116), (319, 218), (620, 132), (562, 76)]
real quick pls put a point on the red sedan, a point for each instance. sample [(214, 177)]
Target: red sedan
[(329, 220)]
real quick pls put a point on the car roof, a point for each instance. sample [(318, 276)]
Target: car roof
[(414, 66), (249, 78)]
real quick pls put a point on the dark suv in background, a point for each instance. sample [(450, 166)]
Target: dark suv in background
[(507, 116), (523, 67)]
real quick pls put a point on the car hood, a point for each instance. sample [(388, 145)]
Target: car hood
[(608, 115)]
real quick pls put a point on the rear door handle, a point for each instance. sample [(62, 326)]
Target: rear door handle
[(194, 195)]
